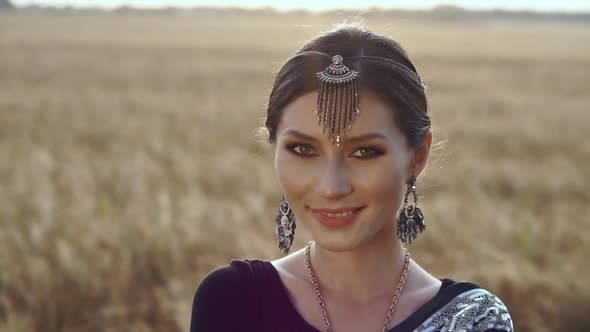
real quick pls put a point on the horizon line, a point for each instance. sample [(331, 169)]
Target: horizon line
[(298, 9)]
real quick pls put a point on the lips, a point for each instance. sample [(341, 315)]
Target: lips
[(336, 217), (339, 214)]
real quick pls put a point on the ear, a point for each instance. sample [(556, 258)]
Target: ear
[(421, 154)]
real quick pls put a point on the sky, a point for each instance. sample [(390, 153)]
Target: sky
[(316, 5)]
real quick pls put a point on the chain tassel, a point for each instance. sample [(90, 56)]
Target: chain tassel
[(338, 104)]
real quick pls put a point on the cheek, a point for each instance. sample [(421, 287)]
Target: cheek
[(292, 175), (382, 182)]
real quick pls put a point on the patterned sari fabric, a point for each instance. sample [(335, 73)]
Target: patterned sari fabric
[(475, 310)]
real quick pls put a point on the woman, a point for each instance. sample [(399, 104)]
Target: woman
[(348, 117)]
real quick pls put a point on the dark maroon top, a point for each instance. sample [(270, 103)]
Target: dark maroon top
[(248, 295)]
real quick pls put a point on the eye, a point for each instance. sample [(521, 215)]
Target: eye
[(304, 150), (367, 153)]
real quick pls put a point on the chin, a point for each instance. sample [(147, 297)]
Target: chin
[(350, 239), (336, 242)]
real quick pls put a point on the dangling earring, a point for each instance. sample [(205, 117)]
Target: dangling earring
[(410, 221), (285, 229)]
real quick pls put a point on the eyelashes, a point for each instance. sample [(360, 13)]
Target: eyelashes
[(303, 150), (368, 152), (307, 151)]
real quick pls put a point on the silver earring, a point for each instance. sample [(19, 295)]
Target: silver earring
[(285, 228), (410, 221)]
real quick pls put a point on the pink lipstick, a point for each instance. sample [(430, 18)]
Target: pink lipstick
[(335, 218)]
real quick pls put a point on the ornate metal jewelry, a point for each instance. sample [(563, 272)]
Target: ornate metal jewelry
[(316, 289), (338, 103), (475, 310), (410, 221), (285, 228)]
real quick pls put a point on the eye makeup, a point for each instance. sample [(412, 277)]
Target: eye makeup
[(306, 151), (301, 150), (373, 152)]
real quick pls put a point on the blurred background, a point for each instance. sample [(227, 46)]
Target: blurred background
[(130, 166)]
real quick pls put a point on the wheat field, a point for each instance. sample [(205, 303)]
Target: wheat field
[(130, 165)]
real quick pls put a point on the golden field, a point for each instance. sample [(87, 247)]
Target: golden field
[(130, 166)]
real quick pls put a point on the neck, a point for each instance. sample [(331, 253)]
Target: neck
[(369, 271)]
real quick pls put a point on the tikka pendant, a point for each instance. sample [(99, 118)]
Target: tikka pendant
[(410, 221), (285, 226), (338, 104)]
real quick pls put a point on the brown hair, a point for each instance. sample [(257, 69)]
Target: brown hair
[(383, 66)]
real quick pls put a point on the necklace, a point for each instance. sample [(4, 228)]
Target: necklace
[(316, 288)]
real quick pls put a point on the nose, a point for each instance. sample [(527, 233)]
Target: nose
[(334, 181)]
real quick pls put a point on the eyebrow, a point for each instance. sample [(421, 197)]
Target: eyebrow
[(353, 139)]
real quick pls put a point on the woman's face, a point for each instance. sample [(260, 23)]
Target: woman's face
[(365, 175)]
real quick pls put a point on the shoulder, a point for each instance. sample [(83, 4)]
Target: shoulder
[(236, 274), (222, 297), (472, 309)]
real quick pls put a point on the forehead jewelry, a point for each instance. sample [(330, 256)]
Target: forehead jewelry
[(338, 103)]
